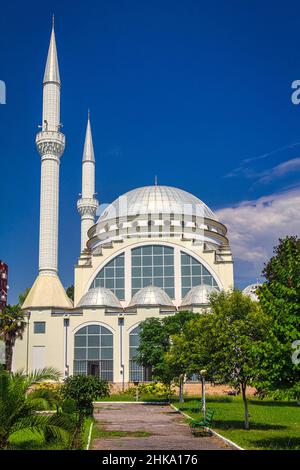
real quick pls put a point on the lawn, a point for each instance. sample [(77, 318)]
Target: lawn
[(274, 425), (26, 440)]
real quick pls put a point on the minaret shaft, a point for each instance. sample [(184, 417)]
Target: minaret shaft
[(88, 179), (51, 106), (87, 205)]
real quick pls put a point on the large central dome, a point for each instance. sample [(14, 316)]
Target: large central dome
[(156, 200), (157, 211)]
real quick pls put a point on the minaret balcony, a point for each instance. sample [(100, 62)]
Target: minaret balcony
[(87, 206), (50, 143)]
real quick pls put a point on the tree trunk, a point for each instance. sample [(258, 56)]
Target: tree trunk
[(181, 399), (76, 441), (8, 355), (246, 412)]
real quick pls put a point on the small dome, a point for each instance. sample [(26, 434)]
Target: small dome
[(250, 291), (151, 295), (99, 297), (198, 295)]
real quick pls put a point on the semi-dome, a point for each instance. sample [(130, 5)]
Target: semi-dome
[(250, 291), (99, 297), (161, 210), (151, 295), (198, 295)]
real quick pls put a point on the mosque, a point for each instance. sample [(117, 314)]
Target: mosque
[(151, 252)]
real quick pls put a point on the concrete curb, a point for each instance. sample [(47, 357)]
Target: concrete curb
[(224, 439)]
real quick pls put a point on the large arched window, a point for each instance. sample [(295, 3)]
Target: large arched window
[(93, 352), (193, 273), (137, 373), (112, 277), (153, 265)]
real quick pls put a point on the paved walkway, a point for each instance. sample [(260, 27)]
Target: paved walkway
[(167, 428)]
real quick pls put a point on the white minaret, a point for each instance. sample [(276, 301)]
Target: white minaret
[(47, 290), (87, 204)]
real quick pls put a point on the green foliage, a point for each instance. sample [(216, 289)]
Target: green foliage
[(18, 408), (69, 406), (12, 326), (70, 292), (23, 295), (280, 298), (84, 389), (151, 389), (226, 342), (155, 342), (50, 393)]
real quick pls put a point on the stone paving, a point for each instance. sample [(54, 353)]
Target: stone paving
[(167, 428)]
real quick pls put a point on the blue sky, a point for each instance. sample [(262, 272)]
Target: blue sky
[(195, 92)]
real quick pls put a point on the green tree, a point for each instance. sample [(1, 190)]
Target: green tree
[(155, 342), (70, 292), (23, 295), (18, 407), (280, 298), (227, 341), (176, 359), (12, 326), (83, 389)]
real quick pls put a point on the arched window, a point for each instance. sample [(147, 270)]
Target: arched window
[(193, 273), (93, 352), (112, 277), (137, 373), (153, 265)]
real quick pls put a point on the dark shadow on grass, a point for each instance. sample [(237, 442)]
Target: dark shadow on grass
[(278, 443), (239, 424), (291, 404)]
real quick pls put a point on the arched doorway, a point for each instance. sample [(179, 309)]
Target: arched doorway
[(93, 352)]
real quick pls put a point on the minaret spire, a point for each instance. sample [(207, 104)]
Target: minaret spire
[(47, 290), (52, 70), (87, 204)]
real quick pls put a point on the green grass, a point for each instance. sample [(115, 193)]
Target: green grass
[(100, 432), (25, 440), (274, 425), (86, 430)]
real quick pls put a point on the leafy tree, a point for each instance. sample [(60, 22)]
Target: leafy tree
[(12, 326), (177, 360), (155, 342), (83, 389), (18, 407), (280, 298), (23, 295), (70, 292), (226, 341)]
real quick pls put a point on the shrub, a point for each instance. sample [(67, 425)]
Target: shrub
[(83, 390)]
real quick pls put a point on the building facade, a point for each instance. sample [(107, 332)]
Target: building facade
[(151, 252)]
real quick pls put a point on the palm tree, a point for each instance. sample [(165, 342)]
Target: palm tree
[(12, 326), (18, 407)]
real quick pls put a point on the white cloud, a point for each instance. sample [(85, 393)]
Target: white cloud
[(280, 170), (254, 228)]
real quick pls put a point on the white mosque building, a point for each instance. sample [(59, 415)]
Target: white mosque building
[(153, 251)]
